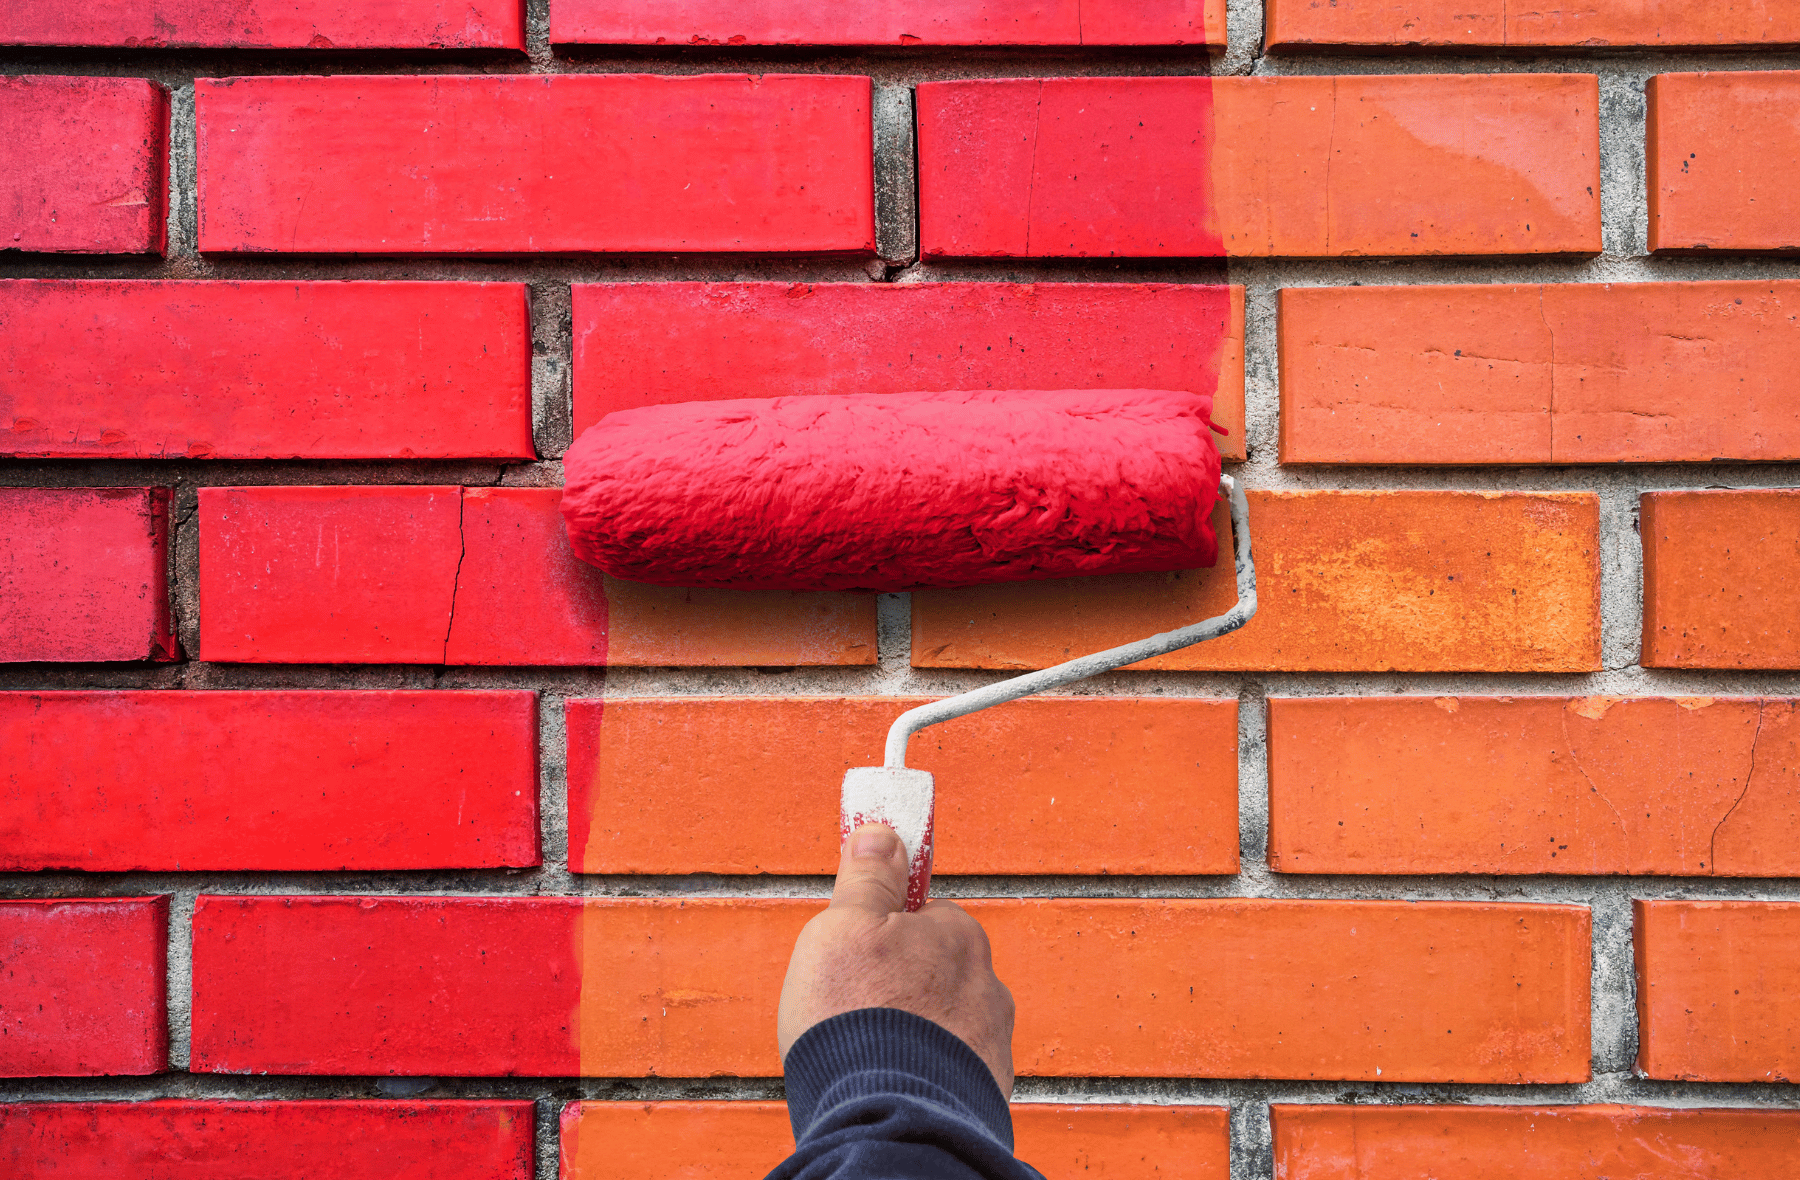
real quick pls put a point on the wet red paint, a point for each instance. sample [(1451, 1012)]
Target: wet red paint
[(896, 491), (262, 24), (268, 780)]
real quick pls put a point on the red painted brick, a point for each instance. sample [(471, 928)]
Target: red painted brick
[(628, 987), (273, 780), (639, 344), (263, 24), (1052, 785), (1686, 786), (1718, 990), (329, 1139), (1500, 1142), (265, 370), (86, 164), (1346, 581), (618, 163), (84, 574), (81, 986), (1419, 24), (1721, 579), (716, 1140), (1639, 373), (1723, 157), (932, 22), (429, 575), (1259, 167)]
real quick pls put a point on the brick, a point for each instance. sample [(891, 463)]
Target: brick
[(935, 22), (322, 1139), (616, 163), (1075, 785), (1723, 160), (632, 987), (262, 24), (1690, 786), (1540, 373), (1259, 167), (1718, 990), (1500, 1142), (639, 344), (1721, 579), (81, 986), (636, 1140), (431, 575), (1420, 24), (86, 164), (270, 780), (265, 370), (84, 574), (1346, 581)]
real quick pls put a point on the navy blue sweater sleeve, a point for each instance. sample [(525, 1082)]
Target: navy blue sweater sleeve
[(881, 1094)]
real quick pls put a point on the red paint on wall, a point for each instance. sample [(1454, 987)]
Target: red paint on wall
[(267, 24), (81, 986), (86, 164), (645, 344), (84, 574), (896, 491), (268, 780), (264, 370)]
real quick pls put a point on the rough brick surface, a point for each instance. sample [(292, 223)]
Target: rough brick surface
[(330, 1139), (1255, 167), (1060, 785), (265, 370), (1493, 24), (1718, 990), (716, 1140), (1723, 157), (639, 344), (264, 24), (455, 986), (1690, 786), (1500, 1142), (934, 22), (433, 575), (86, 163), (1346, 581), (1721, 579), (620, 163), (268, 780), (1540, 373), (84, 574), (81, 987)]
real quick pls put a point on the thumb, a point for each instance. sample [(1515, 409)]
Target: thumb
[(872, 872)]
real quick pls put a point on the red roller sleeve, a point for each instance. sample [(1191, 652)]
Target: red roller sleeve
[(896, 491)]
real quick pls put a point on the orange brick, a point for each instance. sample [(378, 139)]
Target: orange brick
[(1718, 990), (1723, 157), (1346, 581), (1558, 785), (1540, 373), (1259, 167), (1397, 991), (1503, 1142), (715, 1140), (1422, 24), (1051, 785), (1721, 579)]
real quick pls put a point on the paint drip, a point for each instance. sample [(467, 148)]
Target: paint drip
[(901, 798)]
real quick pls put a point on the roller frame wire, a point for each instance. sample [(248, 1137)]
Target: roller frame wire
[(961, 705)]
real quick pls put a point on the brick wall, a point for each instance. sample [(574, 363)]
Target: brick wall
[(351, 828)]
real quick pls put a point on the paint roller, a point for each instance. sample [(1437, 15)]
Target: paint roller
[(890, 492)]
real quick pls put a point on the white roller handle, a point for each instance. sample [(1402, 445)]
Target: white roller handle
[(895, 795)]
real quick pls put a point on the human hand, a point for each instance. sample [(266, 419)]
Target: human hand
[(865, 951)]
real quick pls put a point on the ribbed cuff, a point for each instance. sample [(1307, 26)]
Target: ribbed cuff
[(874, 1051)]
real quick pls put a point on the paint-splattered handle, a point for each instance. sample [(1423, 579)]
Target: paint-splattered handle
[(902, 799)]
